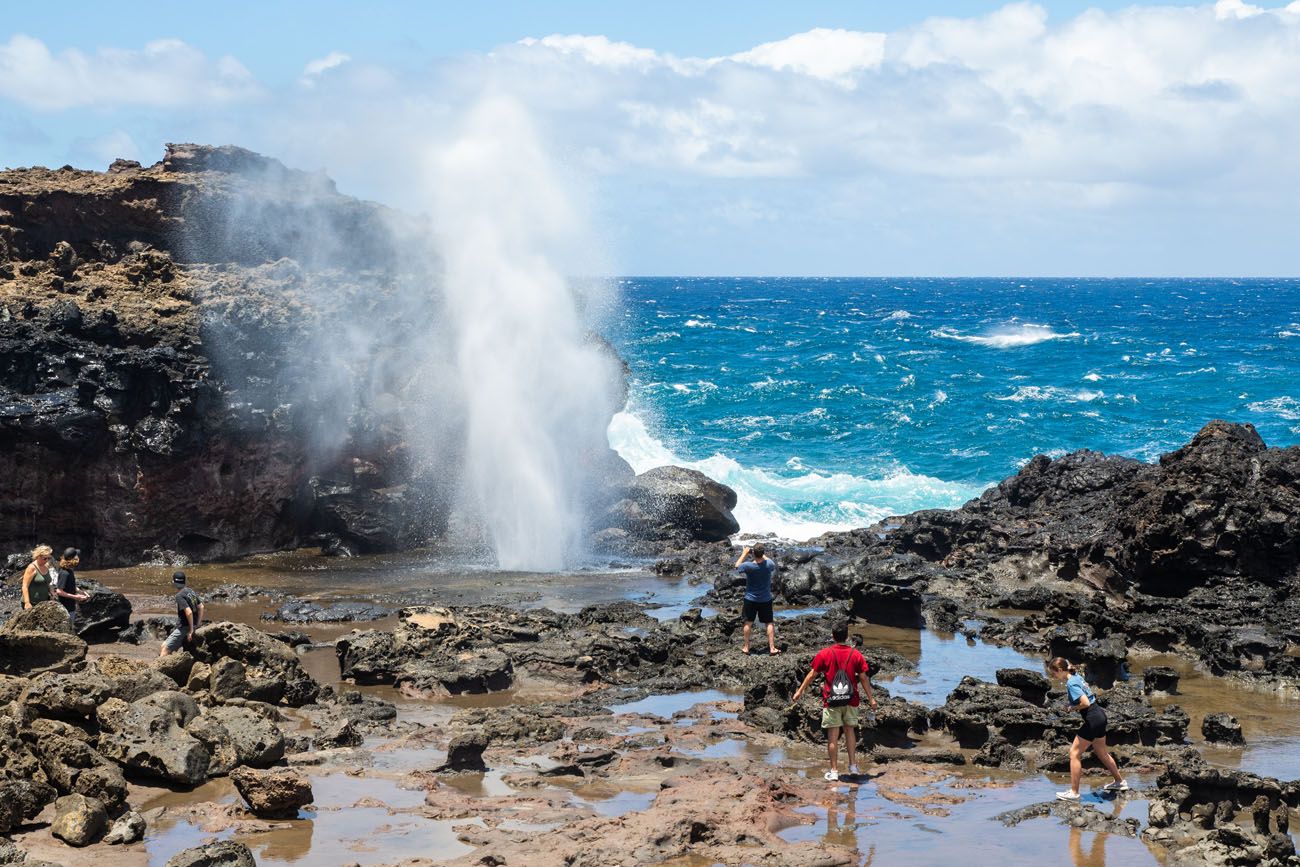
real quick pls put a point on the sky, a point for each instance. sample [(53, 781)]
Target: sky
[(750, 138)]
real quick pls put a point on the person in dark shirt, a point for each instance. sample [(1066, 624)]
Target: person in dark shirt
[(65, 586), (758, 572), (189, 617)]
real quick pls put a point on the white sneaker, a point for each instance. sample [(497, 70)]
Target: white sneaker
[(1116, 786), (853, 770), (1067, 795), (832, 776)]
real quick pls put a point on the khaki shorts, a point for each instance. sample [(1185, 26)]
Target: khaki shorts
[(835, 717)]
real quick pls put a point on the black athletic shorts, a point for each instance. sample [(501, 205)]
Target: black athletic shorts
[(762, 609), (1094, 723)]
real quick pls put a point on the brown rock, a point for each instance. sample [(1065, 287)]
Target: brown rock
[(273, 794), (79, 820)]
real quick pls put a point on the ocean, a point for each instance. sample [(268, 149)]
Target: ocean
[(832, 403)]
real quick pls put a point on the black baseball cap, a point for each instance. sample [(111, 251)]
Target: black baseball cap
[(178, 577), (71, 553)]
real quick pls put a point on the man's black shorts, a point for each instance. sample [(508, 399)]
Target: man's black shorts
[(762, 609)]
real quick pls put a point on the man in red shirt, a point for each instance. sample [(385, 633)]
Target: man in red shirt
[(840, 694)]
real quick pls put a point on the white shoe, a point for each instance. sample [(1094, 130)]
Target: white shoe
[(1067, 795), (831, 776), (853, 770), (1116, 786)]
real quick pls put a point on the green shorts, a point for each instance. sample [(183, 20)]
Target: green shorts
[(835, 717)]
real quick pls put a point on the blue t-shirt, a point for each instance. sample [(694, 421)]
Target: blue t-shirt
[(1076, 688), (758, 580)]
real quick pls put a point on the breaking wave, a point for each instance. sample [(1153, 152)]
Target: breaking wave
[(794, 507), (1007, 337)]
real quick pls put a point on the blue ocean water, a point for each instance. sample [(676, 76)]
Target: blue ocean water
[(831, 403)]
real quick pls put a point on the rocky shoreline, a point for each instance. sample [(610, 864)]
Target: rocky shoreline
[(162, 357), (222, 356)]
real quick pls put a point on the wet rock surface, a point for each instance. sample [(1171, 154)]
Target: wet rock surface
[(273, 794), (173, 332)]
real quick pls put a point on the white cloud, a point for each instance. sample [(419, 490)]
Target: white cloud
[(318, 67), (834, 55), (165, 73)]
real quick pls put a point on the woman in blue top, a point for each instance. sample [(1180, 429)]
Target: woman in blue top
[(1091, 734)]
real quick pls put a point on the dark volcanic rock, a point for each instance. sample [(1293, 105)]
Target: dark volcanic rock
[(30, 653), (681, 499), (1160, 678), (103, 615), (179, 384), (466, 753), (223, 854), (48, 616), (1222, 728)]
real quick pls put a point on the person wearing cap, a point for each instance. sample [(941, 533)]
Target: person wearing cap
[(189, 616), (65, 584)]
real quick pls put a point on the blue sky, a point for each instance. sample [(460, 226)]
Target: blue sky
[(743, 138)]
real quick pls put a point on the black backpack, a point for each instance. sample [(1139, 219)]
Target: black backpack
[(841, 686)]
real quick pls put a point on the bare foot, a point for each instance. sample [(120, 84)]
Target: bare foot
[(773, 651)]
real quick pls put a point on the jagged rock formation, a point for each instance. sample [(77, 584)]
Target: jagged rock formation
[(216, 355)]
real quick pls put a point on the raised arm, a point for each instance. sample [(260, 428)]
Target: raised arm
[(743, 556)]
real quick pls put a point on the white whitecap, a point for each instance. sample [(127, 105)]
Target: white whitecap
[(1007, 337), (1284, 407), (794, 507)]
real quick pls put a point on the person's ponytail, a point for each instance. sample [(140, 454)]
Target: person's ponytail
[(1060, 663)]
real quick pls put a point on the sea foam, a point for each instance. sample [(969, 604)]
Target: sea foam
[(1007, 337), (794, 507)]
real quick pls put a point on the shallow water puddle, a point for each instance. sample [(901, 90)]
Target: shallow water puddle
[(894, 831), (1270, 719), (668, 704), (942, 660), (361, 820)]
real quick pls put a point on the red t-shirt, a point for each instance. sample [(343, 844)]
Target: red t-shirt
[(831, 659)]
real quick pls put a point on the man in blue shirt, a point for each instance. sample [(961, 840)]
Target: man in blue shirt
[(758, 573)]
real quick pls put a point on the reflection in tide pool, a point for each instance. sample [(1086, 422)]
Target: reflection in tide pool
[(941, 660), (672, 703), (889, 832)]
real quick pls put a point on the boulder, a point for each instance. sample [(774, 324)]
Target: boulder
[(149, 739), (103, 615), (887, 604), (79, 820), (30, 653), (228, 679), (273, 794), (223, 854), (1222, 728), (1033, 686), (22, 800), (252, 739), (1160, 678), (685, 500), (262, 657), (466, 753), (48, 616), (129, 828), (469, 672), (175, 666), (67, 696)]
